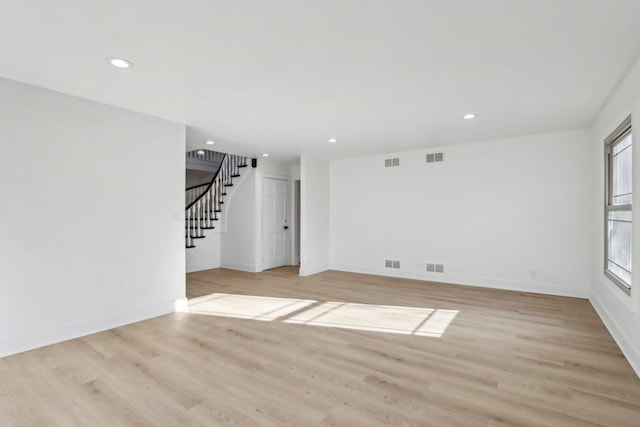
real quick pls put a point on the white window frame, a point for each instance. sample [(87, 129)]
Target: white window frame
[(620, 133)]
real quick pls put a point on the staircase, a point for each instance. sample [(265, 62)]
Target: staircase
[(204, 202)]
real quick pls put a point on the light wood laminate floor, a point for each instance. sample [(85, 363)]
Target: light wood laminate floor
[(335, 349)]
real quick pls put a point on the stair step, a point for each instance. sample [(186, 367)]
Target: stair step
[(234, 176), (217, 210), (191, 247), (198, 237), (242, 166), (228, 185)]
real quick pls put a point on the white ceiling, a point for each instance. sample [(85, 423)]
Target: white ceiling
[(283, 76)]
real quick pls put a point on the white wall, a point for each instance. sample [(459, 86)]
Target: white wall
[(314, 213), (93, 236), (617, 310), (491, 213), (207, 252), (295, 171), (239, 226)]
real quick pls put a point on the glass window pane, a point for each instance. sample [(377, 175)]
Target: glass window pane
[(620, 273), (619, 184), (621, 164), (622, 144), (619, 236)]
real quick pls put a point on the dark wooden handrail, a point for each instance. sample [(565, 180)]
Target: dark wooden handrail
[(193, 187), (209, 185)]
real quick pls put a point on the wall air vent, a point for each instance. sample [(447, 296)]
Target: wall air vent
[(435, 157), (390, 163), (435, 268), (389, 263)]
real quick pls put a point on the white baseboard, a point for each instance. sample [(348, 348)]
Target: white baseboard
[(242, 267), (308, 270), (181, 305), (58, 334), (630, 351), (484, 282), (202, 266)]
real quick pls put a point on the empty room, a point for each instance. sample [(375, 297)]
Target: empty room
[(411, 212)]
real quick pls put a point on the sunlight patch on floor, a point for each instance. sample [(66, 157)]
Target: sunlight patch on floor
[(427, 322), (380, 318), (246, 306)]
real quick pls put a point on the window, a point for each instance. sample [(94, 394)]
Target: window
[(618, 202)]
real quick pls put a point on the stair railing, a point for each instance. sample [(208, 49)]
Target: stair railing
[(192, 193), (214, 160), (204, 201)]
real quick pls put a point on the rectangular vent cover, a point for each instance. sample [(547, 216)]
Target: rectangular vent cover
[(390, 163), (435, 157), (389, 263), (435, 268)]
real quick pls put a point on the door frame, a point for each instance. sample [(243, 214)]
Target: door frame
[(296, 189), (258, 224)]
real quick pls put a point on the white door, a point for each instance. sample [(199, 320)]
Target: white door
[(275, 227)]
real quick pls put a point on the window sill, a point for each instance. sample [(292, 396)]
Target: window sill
[(619, 283)]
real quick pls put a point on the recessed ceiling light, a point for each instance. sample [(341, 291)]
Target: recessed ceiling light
[(209, 142), (120, 62), (333, 140), (200, 152), (265, 154), (469, 116)]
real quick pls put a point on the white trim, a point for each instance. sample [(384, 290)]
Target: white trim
[(275, 176), (242, 267), (483, 282), (181, 305), (630, 351), (604, 285), (295, 226), (308, 270), (58, 334), (192, 268)]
